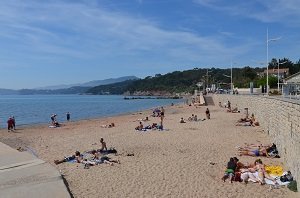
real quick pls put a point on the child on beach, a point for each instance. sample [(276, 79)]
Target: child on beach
[(229, 172)]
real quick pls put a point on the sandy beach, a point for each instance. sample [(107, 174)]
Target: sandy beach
[(186, 160)]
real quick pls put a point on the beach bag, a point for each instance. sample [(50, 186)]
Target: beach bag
[(293, 186), (287, 177)]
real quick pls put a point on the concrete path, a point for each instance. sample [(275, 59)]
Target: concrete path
[(23, 175)]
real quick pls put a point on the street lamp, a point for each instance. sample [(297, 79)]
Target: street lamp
[(231, 83), (199, 84), (278, 74), (269, 40)]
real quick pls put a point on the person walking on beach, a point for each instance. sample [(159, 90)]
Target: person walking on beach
[(10, 124), (68, 116), (13, 122), (207, 113), (162, 115)]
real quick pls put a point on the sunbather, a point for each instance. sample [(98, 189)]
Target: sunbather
[(77, 156), (97, 159), (270, 151), (255, 146), (235, 110), (262, 174), (250, 123), (140, 127), (108, 125), (254, 152)]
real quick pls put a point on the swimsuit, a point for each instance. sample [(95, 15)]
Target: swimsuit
[(256, 152)]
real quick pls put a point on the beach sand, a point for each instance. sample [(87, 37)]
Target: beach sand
[(177, 162)]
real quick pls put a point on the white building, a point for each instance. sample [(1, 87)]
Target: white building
[(291, 84)]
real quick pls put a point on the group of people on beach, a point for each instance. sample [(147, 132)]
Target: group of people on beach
[(97, 157), (195, 118), (55, 123), (248, 121), (256, 172), (154, 126)]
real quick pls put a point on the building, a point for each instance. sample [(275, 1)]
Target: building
[(274, 72), (291, 84)]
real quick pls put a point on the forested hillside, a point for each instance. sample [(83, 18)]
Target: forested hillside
[(185, 81)]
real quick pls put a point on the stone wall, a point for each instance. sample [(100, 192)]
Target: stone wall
[(279, 118)]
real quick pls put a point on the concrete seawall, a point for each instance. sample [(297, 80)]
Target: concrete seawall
[(279, 118), (22, 175)]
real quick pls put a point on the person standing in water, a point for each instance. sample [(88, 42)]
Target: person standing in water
[(68, 116)]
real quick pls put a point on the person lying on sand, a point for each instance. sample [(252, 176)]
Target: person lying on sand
[(254, 152), (108, 125), (255, 146), (260, 152), (270, 151), (144, 119), (235, 110), (241, 120), (247, 119), (97, 159), (77, 156), (250, 123), (262, 174)]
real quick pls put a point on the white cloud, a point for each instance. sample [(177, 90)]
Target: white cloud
[(283, 11), (83, 30)]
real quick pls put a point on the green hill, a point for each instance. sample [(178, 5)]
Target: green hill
[(185, 81)]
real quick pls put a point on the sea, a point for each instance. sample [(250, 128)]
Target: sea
[(37, 109)]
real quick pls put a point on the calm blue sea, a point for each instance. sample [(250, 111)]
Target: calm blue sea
[(37, 109)]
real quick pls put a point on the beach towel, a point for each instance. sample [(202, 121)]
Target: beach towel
[(274, 170), (270, 182), (109, 151)]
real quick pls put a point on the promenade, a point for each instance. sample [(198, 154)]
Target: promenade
[(23, 175)]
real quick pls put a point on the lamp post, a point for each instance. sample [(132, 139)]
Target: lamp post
[(278, 74), (269, 40), (231, 85), (199, 84)]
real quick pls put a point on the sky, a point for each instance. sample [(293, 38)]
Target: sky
[(57, 42)]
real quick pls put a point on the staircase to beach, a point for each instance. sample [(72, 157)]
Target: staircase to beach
[(209, 101)]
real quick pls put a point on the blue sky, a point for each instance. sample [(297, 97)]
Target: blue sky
[(71, 41)]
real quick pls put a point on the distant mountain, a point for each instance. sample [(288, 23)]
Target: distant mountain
[(68, 89), (8, 92), (90, 83), (71, 90)]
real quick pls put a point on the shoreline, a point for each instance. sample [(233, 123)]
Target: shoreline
[(174, 162), (41, 124)]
